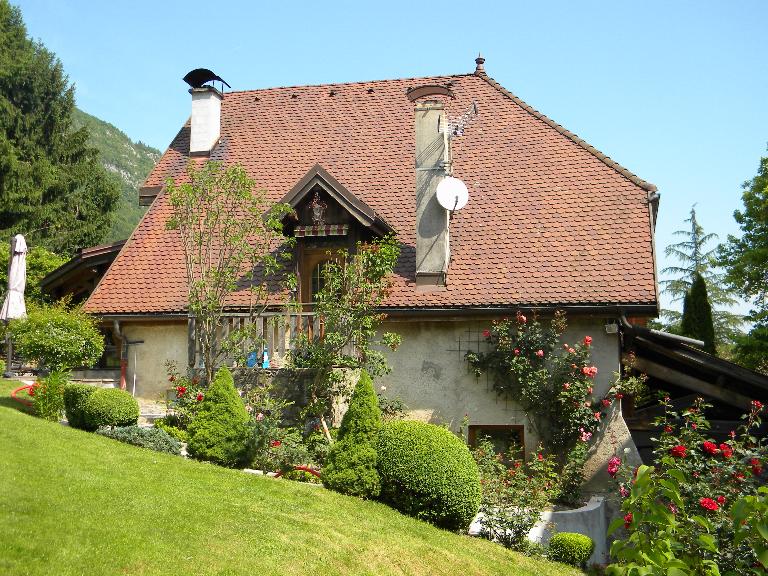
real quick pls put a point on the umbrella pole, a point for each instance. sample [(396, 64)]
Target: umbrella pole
[(9, 354)]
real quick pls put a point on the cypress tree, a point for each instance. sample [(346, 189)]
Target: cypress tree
[(697, 315)]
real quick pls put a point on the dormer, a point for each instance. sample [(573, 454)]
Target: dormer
[(328, 217)]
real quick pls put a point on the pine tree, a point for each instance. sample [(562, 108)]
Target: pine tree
[(696, 257), (697, 315), (52, 187)]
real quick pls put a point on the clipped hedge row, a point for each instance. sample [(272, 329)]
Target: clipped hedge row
[(75, 397), (571, 548), (152, 438), (110, 407), (428, 472)]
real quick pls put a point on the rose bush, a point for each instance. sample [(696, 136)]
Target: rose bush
[(689, 514)]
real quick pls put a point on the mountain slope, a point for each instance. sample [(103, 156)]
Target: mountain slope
[(129, 162)]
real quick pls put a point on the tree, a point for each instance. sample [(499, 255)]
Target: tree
[(697, 315), (52, 187), (355, 286), (230, 237), (745, 260), (695, 258)]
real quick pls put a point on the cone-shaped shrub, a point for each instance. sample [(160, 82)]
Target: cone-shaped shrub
[(219, 432), (350, 467), (697, 315)]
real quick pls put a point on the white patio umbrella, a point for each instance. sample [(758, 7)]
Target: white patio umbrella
[(13, 305)]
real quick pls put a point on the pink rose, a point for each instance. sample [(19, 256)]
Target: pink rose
[(540, 353)]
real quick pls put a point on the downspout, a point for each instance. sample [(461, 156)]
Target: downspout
[(653, 210), (123, 352)]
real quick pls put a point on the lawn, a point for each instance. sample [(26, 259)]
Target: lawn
[(76, 503)]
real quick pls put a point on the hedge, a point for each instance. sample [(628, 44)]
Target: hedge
[(110, 407), (571, 548), (75, 396), (428, 472)]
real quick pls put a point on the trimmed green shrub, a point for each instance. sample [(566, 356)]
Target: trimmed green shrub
[(571, 548), (152, 438), (49, 396), (429, 473), (110, 407), (350, 467), (174, 431), (75, 396), (220, 432), (57, 338)]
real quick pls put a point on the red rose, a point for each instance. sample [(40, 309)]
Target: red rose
[(619, 396), (628, 520), (678, 451), (199, 397), (710, 448), (521, 319), (606, 402), (180, 390), (668, 429), (517, 352), (587, 340), (598, 416), (757, 406), (739, 475), (613, 466), (566, 385), (732, 434), (726, 450), (486, 333), (540, 353), (540, 456), (708, 504), (275, 443), (721, 500)]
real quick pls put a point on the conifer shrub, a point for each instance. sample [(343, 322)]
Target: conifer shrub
[(429, 473), (350, 467), (220, 432), (110, 407), (152, 438), (571, 548), (75, 396)]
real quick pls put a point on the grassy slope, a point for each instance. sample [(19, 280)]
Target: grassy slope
[(77, 503), (129, 162)]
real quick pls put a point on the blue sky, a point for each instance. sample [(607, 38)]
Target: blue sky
[(675, 91)]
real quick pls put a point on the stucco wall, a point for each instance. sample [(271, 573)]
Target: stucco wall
[(432, 378), (162, 341)]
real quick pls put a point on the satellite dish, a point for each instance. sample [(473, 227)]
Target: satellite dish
[(452, 193)]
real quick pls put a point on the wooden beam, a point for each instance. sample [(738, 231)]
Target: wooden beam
[(686, 381)]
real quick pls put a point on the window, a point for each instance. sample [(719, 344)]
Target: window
[(502, 436), (317, 281)]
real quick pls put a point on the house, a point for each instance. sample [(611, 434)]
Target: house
[(551, 223)]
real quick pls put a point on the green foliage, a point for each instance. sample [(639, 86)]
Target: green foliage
[(750, 520), (513, 496), (355, 286), (219, 214), (40, 262), (219, 433), (351, 464), (697, 259), (49, 396), (166, 425), (110, 407), (697, 315), (57, 338), (52, 187), (427, 472), (151, 438), (571, 476), (187, 399), (571, 548), (746, 262), (681, 516), (128, 163), (75, 397)]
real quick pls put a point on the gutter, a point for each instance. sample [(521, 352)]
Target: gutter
[(659, 334)]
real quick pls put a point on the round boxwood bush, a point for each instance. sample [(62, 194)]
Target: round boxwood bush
[(110, 407), (350, 467), (571, 548), (75, 396), (429, 473), (219, 433)]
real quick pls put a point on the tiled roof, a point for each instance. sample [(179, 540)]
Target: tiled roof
[(550, 221)]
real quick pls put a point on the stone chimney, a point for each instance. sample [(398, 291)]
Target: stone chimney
[(432, 165), (206, 119)]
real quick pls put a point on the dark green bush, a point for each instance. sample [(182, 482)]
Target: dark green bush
[(427, 472), (220, 432), (75, 396), (350, 467), (110, 407), (152, 438), (571, 548)]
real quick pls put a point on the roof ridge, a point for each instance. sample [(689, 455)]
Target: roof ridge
[(607, 160), (329, 84)]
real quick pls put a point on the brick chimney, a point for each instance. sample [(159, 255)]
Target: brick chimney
[(206, 119), (432, 165)]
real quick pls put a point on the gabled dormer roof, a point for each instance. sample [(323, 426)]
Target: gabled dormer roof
[(359, 210)]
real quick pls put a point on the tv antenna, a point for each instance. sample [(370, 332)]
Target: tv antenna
[(457, 125)]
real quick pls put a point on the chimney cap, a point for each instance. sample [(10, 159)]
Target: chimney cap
[(480, 61), (199, 76)]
